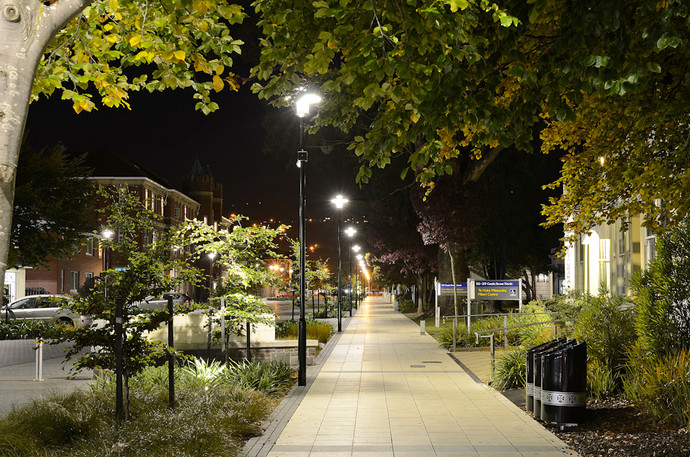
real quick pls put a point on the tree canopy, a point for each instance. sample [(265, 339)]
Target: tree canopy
[(463, 80), (52, 206), (114, 47)]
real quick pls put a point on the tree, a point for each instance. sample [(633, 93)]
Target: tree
[(52, 207), (240, 252), (93, 49), (147, 273), (462, 80), (449, 217)]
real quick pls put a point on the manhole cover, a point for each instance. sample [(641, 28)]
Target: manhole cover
[(417, 366)]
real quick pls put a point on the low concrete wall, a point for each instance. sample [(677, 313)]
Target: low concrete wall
[(191, 333), (191, 336)]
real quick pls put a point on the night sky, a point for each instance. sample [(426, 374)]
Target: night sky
[(164, 133)]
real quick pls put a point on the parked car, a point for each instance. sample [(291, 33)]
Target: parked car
[(287, 294), (46, 307), (152, 302)]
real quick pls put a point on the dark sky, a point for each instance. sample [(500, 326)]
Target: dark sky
[(163, 132)]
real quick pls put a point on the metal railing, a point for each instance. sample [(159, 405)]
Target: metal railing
[(505, 324)]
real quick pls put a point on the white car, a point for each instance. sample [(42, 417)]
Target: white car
[(152, 302), (45, 307)]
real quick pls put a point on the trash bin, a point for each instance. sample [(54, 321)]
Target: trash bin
[(529, 367), (564, 385), (538, 372)]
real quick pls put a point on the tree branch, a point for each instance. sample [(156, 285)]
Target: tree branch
[(472, 173)]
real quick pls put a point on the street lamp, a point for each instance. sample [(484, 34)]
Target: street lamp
[(339, 201), (350, 231), (302, 108), (360, 262), (119, 333), (356, 249)]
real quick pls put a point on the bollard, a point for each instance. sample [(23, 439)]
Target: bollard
[(39, 360), (422, 327)]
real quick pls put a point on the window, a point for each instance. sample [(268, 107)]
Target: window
[(62, 281), (176, 211), (89, 246), (74, 281)]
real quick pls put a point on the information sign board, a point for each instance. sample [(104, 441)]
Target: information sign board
[(446, 289), (497, 290)]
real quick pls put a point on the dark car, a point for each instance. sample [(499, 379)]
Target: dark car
[(45, 307), (152, 302)]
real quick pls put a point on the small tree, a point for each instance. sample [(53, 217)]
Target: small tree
[(147, 272), (240, 252)]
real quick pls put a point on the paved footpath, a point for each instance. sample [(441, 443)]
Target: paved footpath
[(18, 371), (384, 390)]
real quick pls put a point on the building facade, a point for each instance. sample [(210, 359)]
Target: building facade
[(66, 276), (608, 257)]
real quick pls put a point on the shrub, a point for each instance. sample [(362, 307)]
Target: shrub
[(24, 329), (272, 378), (601, 382), (661, 386), (316, 330), (662, 294), (209, 422), (516, 337), (510, 370), (607, 324)]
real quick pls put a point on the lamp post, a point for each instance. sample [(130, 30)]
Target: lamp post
[(350, 231), (119, 334), (302, 108), (360, 263), (339, 201), (357, 255)]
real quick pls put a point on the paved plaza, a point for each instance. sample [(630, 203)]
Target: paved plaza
[(385, 390)]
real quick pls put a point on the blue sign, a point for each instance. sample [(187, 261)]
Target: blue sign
[(497, 290), (446, 289)]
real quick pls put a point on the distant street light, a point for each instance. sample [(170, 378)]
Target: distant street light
[(339, 201), (302, 108), (350, 231)]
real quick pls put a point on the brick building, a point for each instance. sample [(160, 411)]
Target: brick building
[(65, 276)]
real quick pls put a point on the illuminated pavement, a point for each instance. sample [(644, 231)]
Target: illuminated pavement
[(384, 390)]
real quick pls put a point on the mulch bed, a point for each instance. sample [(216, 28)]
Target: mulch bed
[(615, 427)]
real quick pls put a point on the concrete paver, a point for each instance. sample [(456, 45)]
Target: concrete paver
[(18, 371), (385, 390)]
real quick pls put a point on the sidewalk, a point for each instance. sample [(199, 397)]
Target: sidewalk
[(17, 385), (381, 389)]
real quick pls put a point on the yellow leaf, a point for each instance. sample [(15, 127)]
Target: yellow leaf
[(83, 105), (180, 55), (220, 69), (218, 83), (414, 117), (135, 40), (200, 6), (114, 5), (111, 38)]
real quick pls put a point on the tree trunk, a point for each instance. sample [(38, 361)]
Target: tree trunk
[(445, 274), (455, 283), (26, 28), (420, 294)]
